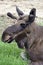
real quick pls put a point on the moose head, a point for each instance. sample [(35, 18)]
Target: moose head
[(19, 31)]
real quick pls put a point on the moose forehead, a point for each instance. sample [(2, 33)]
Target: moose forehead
[(24, 18)]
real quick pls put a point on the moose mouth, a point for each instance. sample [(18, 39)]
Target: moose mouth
[(9, 40), (6, 38)]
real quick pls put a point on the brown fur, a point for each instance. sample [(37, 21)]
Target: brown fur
[(34, 37)]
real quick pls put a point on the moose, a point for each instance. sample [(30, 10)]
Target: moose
[(28, 34)]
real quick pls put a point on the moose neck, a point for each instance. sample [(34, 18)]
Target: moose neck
[(33, 27)]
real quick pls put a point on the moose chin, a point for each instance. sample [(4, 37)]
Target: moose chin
[(27, 34)]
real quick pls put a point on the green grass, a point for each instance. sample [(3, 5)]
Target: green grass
[(10, 54)]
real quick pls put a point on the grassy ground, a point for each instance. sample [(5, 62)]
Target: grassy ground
[(10, 54)]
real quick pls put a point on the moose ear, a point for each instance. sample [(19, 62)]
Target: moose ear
[(33, 12), (32, 15), (11, 16), (19, 11), (31, 18)]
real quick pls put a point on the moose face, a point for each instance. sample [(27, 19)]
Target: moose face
[(18, 31), (11, 33)]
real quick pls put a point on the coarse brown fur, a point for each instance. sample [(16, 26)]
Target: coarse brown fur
[(33, 33)]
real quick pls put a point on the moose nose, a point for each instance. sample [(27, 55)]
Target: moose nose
[(5, 37)]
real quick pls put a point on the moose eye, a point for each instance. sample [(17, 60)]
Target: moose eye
[(20, 18), (23, 25)]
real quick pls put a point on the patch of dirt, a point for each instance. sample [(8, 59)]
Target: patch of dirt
[(25, 6)]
